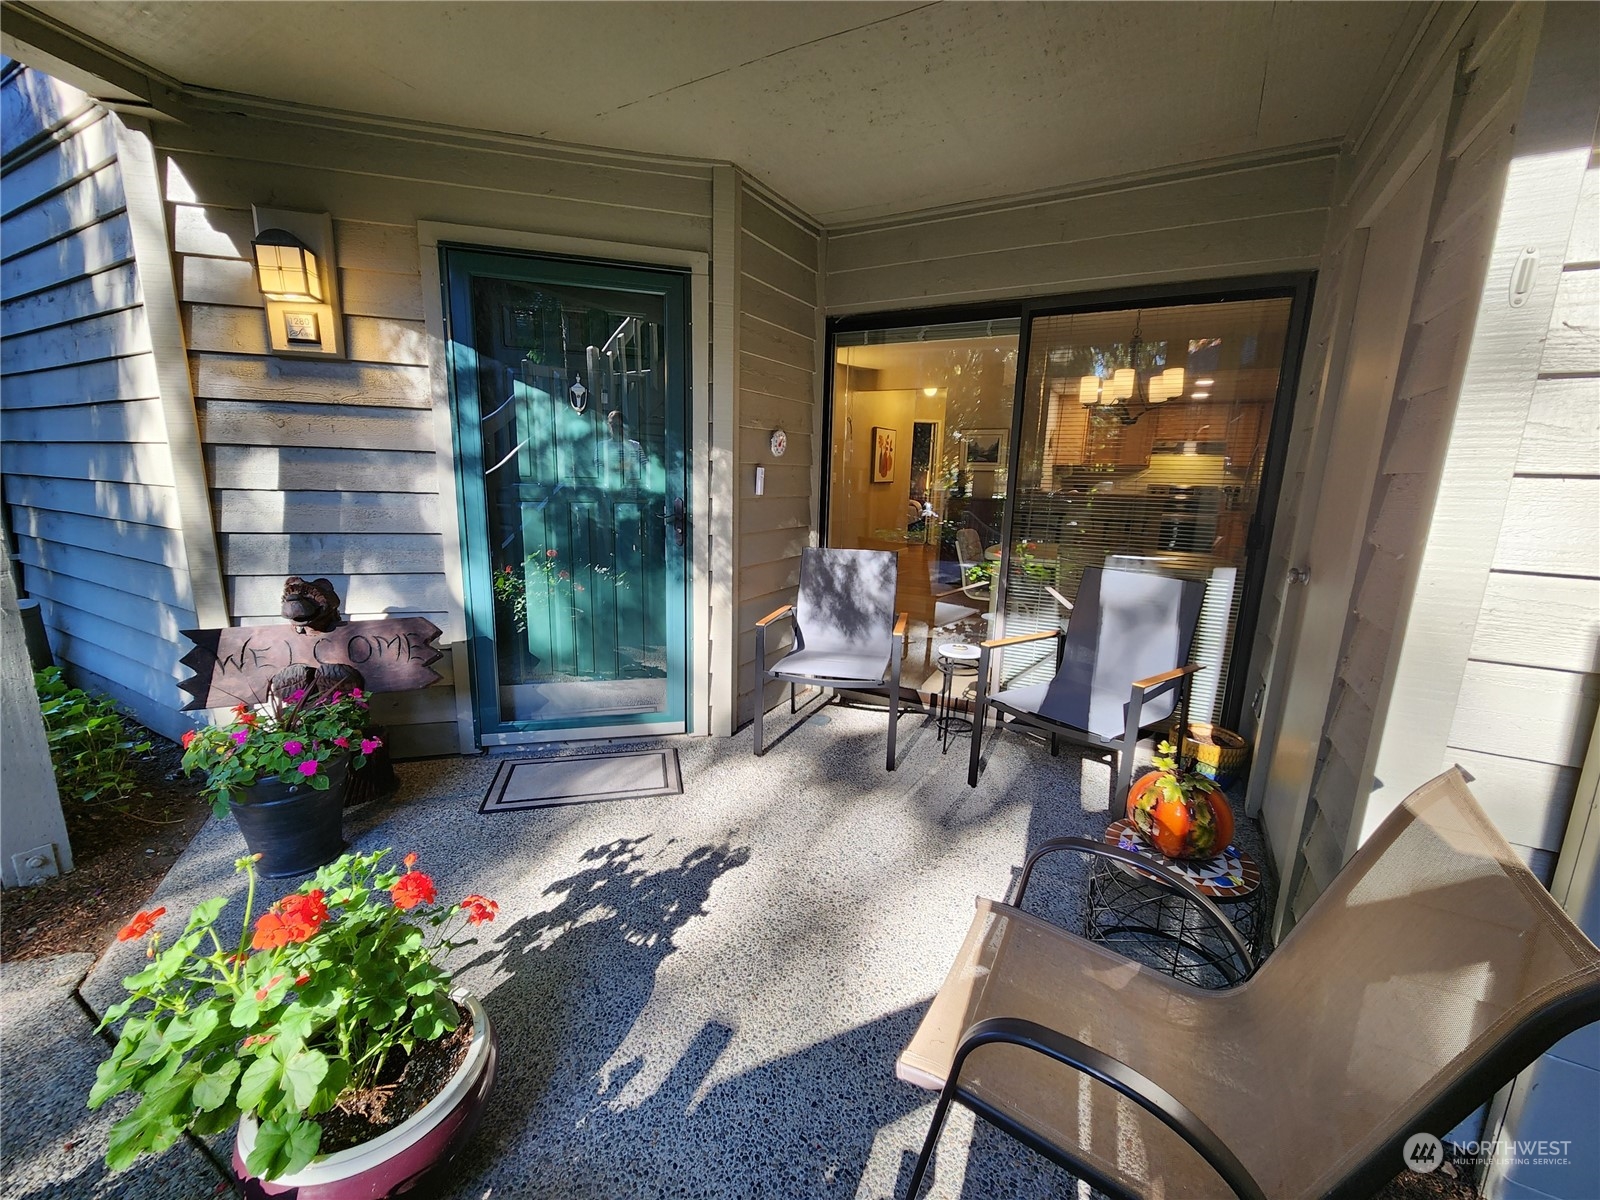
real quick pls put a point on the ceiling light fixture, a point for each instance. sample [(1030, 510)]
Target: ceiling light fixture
[(1130, 392)]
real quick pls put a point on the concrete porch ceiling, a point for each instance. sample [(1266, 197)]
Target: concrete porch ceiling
[(852, 111)]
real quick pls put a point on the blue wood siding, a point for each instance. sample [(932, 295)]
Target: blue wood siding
[(88, 481)]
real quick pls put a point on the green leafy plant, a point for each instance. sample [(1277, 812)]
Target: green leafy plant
[(296, 739), (307, 1012), (1031, 564), (90, 745)]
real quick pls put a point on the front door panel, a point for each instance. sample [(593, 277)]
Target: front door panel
[(569, 385)]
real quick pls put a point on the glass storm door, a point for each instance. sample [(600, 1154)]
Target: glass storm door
[(569, 382)]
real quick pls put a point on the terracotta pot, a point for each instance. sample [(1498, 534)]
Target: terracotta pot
[(1179, 830), (395, 1162), (294, 827)]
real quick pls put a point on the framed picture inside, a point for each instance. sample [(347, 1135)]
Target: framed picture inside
[(983, 449), (882, 454)]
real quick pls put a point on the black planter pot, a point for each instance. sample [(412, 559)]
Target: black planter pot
[(294, 827)]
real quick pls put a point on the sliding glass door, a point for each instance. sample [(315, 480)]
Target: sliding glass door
[(921, 425), (1143, 439), (1133, 436)]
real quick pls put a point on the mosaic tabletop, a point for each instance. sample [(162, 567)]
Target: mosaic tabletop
[(1228, 876)]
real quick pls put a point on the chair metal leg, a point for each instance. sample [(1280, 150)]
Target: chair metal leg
[(1055, 746), (980, 709), (940, 1111), (894, 695), (792, 708), (1122, 780), (761, 683)]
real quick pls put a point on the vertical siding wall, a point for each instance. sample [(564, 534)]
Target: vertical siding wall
[(88, 476), (331, 468), (779, 262), (1532, 685), (1269, 216), (1461, 234)]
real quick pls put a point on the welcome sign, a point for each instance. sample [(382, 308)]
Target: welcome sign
[(236, 665)]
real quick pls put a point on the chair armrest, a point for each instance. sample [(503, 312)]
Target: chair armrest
[(1154, 684), (997, 643), (786, 611), (1160, 870), (1118, 1076), (900, 626), (1059, 598)]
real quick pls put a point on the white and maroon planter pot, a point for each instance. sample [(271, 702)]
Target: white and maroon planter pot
[(394, 1162)]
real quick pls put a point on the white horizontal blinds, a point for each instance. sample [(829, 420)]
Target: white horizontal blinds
[(1158, 471)]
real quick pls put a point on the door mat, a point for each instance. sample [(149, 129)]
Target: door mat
[(524, 783)]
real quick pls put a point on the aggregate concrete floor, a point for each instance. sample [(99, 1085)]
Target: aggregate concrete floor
[(699, 995)]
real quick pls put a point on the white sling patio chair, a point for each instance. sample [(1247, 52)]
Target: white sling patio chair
[(846, 633), (1432, 970), (1120, 667)]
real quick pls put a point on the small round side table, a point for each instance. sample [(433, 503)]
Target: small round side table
[(955, 658), (1172, 935)]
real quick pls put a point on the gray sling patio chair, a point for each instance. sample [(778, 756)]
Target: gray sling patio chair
[(846, 633), (1120, 667), (1432, 970)]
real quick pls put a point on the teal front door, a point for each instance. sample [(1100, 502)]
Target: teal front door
[(569, 384)]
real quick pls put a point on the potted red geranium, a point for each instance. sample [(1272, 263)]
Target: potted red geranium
[(323, 1033)]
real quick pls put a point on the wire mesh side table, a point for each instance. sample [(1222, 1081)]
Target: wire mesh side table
[(955, 659), (1153, 924)]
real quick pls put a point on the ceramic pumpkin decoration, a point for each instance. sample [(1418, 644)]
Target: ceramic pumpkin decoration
[(1180, 812)]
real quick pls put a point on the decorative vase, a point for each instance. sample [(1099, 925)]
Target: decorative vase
[(294, 827), (396, 1161), (1218, 753), (1201, 828)]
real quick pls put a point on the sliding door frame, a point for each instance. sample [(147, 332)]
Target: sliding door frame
[(1298, 287)]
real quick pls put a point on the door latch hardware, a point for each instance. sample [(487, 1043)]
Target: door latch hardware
[(677, 520)]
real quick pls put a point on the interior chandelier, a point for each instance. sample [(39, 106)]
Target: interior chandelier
[(1130, 392)]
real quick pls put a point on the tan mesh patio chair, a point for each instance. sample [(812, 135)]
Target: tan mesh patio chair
[(1432, 970)]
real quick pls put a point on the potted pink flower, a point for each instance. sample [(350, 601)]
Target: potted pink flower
[(281, 770)]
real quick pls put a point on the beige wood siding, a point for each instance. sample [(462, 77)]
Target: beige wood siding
[(1478, 146), (333, 468), (1269, 216), (88, 476), (779, 260), (1532, 685)]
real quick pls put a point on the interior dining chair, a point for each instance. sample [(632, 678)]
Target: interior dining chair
[(1431, 971), (1120, 668), (846, 632)]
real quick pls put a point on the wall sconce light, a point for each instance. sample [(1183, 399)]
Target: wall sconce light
[(297, 275), (286, 268)]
